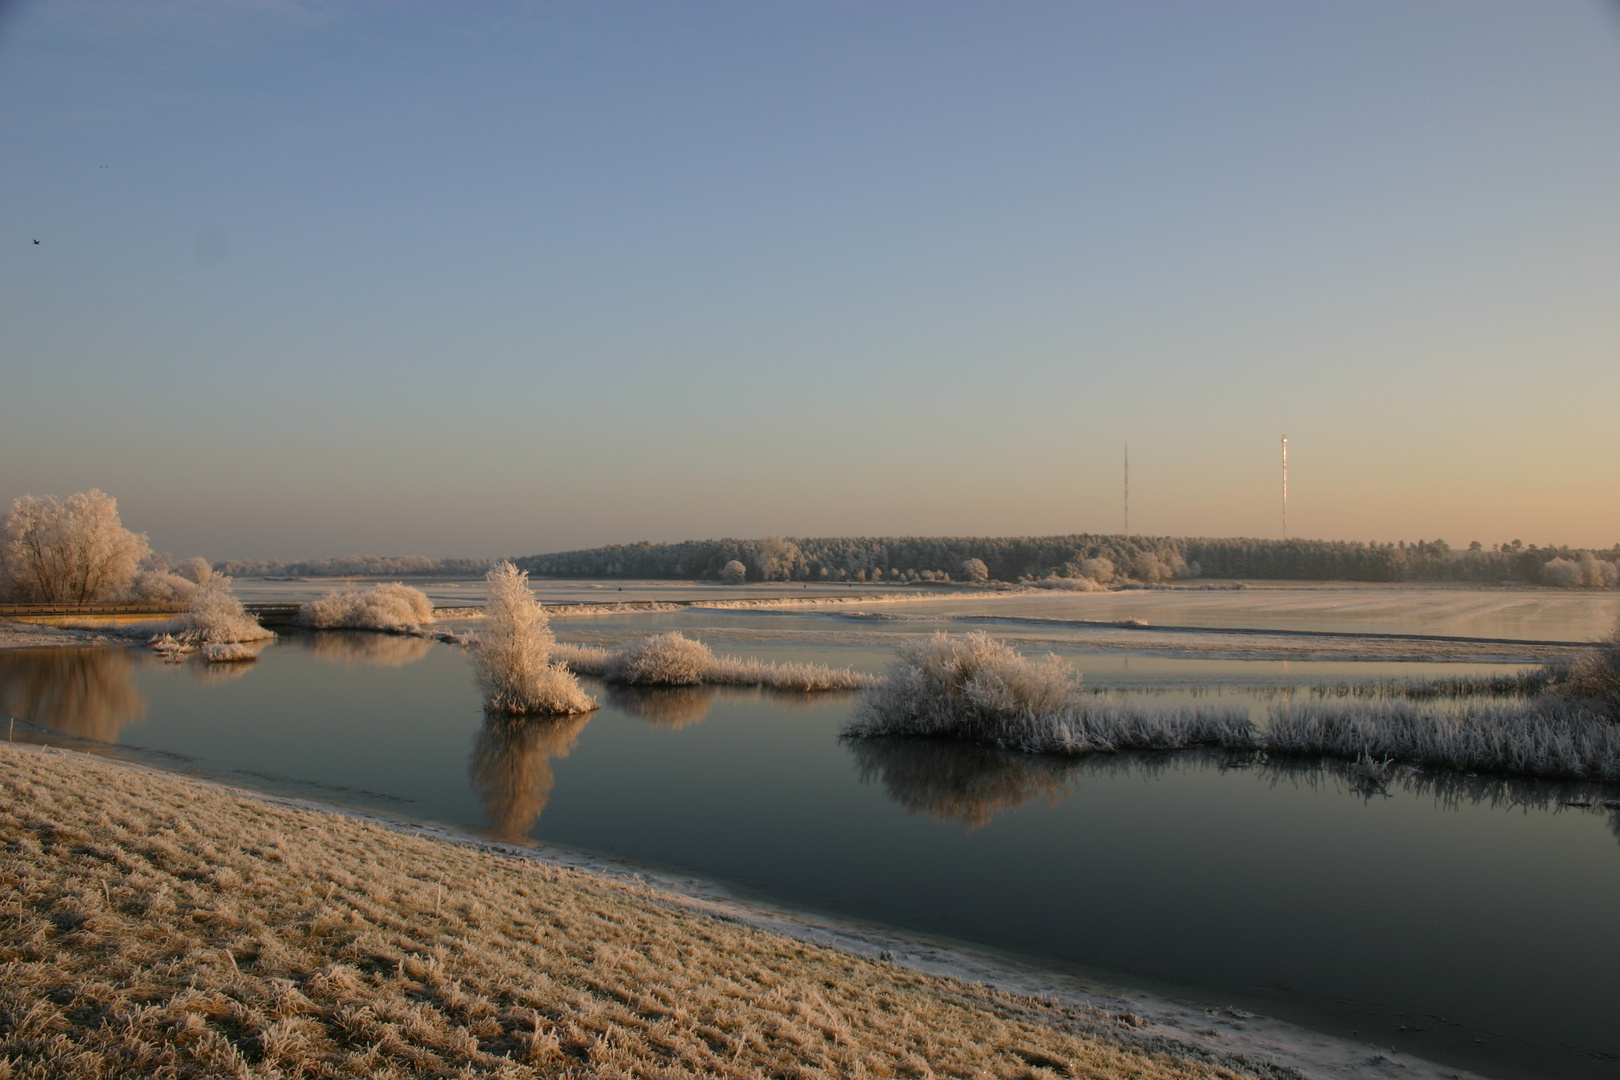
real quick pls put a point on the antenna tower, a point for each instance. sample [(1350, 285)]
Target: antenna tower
[(1127, 489), (1285, 485)]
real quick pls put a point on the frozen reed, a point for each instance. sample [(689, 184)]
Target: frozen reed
[(512, 656), (392, 607), (976, 688), (1545, 737), (673, 659), (1525, 683)]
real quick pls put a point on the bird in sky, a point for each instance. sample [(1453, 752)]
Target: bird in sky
[(36, 241)]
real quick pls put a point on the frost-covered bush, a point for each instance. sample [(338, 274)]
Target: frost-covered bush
[(1562, 574), (216, 617), (1594, 679), (512, 657), (1099, 570), (975, 570), (1597, 573), (162, 587), (73, 550), (976, 688), (734, 573), (1149, 569), (158, 582), (965, 686), (662, 660), (393, 606), (228, 652)]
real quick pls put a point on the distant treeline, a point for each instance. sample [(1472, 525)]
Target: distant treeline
[(390, 566), (1141, 558)]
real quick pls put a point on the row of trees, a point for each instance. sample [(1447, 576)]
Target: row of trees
[(1095, 557), (75, 550), (390, 566)]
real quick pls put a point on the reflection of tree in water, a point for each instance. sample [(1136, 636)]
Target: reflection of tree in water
[(511, 767), (667, 706), (89, 693), (351, 647), (957, 781)]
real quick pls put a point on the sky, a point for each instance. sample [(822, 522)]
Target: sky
[(503, 278)]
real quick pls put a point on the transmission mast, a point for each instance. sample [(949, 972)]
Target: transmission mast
[(1127, 488), (1285, 485)]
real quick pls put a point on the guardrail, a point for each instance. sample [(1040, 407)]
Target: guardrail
[(89, 609)]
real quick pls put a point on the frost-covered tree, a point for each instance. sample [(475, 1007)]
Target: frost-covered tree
[(513, 654), (734, 573), (975, 570), (1149, 569), (1099, 570), (777, 558), (69, 550)]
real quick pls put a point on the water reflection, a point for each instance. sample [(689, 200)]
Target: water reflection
[(350, 647), (668, 706), (88, 693), (511, 767), (972, 784), (963, 782)]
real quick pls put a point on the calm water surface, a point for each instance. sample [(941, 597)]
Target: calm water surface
[(1461, 919)]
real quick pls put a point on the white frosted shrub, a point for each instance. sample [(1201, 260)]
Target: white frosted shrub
[(975, 688), (512, 657), (953, 685), (393, 607), (216, 617), (1149, 569), (1598, 574), (975, 570), (1099, 570), (734, 573), (1561, 574), (662, 660), (162, 587), (195, 570), (228, 652)]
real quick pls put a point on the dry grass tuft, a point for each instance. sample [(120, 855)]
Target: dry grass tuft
[(154, 926)]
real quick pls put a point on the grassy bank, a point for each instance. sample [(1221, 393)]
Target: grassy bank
[(154, 925)]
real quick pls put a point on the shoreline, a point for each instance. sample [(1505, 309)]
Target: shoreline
[(1228, 1037)]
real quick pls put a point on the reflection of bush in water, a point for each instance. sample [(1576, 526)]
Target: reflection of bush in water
[(350, 647), (677, 706), (89, 693), (511, 767), (670, 706), (205, 674), (960, 781)]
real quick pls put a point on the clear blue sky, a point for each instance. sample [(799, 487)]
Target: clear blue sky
[(483, 278)]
